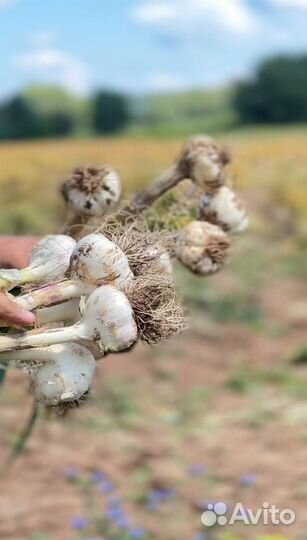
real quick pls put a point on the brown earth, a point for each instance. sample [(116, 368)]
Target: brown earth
[(261, 430)]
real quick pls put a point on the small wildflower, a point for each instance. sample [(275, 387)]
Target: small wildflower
[(197, 470), (157, 496), (123, 521), (113, 500), (78, 523), (247, 480), (137, 533), (97, 477), (200, 536), (71, 473), (114, 513), (105, 487)]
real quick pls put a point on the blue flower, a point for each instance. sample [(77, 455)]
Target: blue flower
[(197, 470), (123, 521), (105, 487), (200, 536), (113, 514), (71, 473), (78, 523), (113, 501), (156, 496), (97, 477), (247, 480), (137, 533)]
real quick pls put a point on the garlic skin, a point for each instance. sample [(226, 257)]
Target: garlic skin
[(49, 261), (203, 161), (97, 260), (66, 378), (92, 191), (202, 247), (59, 373), (107, 320), (161, 259), (224, 208)]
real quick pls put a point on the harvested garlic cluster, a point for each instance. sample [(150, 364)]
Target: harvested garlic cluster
[(101, 289)]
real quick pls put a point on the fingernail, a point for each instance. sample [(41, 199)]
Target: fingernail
[(26, 316)]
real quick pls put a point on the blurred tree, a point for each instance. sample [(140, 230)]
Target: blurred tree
[(17, 119), (276, 94), (61, 113), (30, 115), (110, 112)]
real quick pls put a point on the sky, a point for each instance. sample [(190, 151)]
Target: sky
[(139, 46)]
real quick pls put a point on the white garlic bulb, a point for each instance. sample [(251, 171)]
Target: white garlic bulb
[(96, 260), (203, 160), (161, 258), (202, 247), (59, 373), (49, 261), (224, 208), (92, 191)]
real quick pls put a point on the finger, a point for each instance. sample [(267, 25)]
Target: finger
[(23, 247), (12, 313)]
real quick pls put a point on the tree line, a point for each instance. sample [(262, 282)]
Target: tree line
[(275, 94), (23, 117)]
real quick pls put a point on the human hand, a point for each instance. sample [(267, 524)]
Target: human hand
[(14, 253), (15, 250), (13, 314)]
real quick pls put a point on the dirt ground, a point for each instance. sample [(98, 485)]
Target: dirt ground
[(195, 404)]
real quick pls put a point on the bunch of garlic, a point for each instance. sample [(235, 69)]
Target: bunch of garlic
[(114, 285)]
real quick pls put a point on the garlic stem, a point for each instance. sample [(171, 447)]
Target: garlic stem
[(53, 294), (107, 320), (166, 181), (65, 312), (201, 160)]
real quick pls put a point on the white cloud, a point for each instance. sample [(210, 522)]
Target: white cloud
[(294, 4), (180, 15), (49, 65), (6, 3), (160, 81)]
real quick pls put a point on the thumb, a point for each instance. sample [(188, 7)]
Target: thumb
[(12, 313)]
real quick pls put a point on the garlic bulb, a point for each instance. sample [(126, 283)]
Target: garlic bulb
[(202, 247), (157, 259), (59, 373), (224, 208), (203, 161), (49, 260), (92, 191), (96, 260), (107, 320)]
